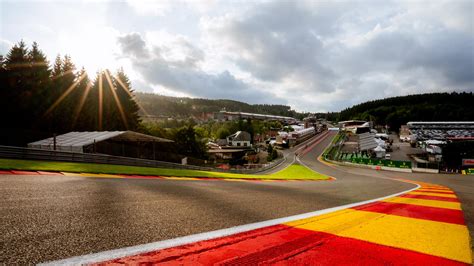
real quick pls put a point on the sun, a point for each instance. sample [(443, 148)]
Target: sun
[(93, 47)]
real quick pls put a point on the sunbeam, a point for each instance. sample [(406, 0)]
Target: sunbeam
[(130, 94), (81, 103), (101, 96), (64, 95), (71, 71), (117, 101), (29, 64)]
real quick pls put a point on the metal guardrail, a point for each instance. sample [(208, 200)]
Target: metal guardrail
[(65, 156)]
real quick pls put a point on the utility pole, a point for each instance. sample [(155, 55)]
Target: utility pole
[(54, 141)]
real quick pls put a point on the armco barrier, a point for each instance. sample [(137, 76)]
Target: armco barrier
[(386, 163), (65, 156), (425, 170), (374, 167), (48, 155)]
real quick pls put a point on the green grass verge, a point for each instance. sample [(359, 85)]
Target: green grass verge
[(297, 172), (293, 172), (328, 149)]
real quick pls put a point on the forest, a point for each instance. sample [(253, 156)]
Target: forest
[(183, 107), (397, 111), (39, 99)]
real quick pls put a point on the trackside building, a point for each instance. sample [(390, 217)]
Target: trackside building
[(118, 143)]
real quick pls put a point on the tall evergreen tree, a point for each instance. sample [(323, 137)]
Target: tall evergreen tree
[(125, 95), (37, 100), (57, 67), (82, 119), (16, 87), (39, 82), (60, 108)]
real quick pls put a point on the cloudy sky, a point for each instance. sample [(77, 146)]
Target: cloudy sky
[(311, 55)]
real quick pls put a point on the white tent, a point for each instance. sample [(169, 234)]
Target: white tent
[(434, 142), (379, 152), (380, 143)]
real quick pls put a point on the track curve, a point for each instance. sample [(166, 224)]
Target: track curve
[(50, 217)]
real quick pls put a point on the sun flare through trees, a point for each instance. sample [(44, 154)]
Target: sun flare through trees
[(37, 99)]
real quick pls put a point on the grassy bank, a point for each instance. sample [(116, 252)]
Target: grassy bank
[(328, 149), (293, 172)]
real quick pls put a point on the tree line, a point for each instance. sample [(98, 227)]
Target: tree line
[(397, 111), (183, 107), (38, 99)]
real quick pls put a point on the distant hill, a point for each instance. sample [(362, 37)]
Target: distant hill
[(397, 111), (181, 107)]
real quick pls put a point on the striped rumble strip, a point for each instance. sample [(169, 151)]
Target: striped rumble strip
[(423, 226)]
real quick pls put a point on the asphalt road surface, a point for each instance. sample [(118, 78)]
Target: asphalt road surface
[(46, 218)]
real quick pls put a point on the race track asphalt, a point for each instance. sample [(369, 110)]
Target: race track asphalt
[(46, 218)]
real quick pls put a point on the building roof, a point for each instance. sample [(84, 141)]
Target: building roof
[(440, 122), (240, 136), (378, 148), (226, 150), (75, 141), (258, 116), (367, 141)]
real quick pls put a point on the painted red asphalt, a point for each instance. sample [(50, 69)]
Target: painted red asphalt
[(429, 197), (17, 172), (295, 244), (440, 191), (283, 245), (414, 211)]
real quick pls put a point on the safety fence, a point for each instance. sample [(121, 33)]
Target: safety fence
[(333, 150), (381, 162), (64, 156)]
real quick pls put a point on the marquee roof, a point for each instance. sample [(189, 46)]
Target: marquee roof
[(75, 141)]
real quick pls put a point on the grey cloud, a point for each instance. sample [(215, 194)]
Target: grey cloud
[(406, 48), (133, 45), (184, 75), (277, 41), (349, 52)]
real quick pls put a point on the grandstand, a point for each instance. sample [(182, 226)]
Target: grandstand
[(462, 130)]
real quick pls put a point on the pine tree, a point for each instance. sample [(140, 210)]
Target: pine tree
[(82, 119), (57, 68), (37, 100), (125, 95), (60, 107), (15, 91), (112, 118), (3, 83), (39, 83)]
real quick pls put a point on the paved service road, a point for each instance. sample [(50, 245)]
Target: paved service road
[(47, 218)]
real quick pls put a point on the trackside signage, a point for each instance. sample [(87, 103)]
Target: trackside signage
[(468, 162), (376, 162)]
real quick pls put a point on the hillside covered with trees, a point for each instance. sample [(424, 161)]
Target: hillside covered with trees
[(397, 111), (182, 107)]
